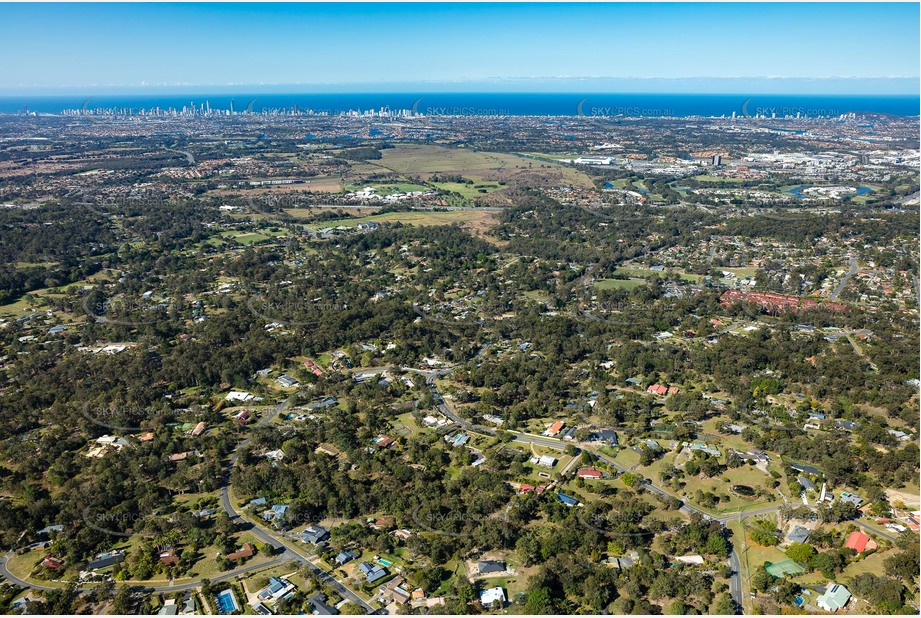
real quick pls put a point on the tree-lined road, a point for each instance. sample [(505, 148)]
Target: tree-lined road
[(289, 553)]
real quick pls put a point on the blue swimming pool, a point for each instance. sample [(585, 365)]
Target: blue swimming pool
[(227, 602)]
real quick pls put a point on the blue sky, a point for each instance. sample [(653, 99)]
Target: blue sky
[(645, 47)]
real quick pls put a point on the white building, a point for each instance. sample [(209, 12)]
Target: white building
[(492, 595)]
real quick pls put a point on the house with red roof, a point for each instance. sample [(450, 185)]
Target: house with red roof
[(589, 473), (169, 557), (860, 542), (52, 564), (555, 428), (247, 551)]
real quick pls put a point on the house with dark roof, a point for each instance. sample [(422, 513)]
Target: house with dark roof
[(328, 402), (286, 381), (806, 468), (490, 566), (318, 604), (315, 534), (345, 556), (625, 562), (49, 529), (105, 560), (276, 512), (852, 498), (798, 535), (277, 588), (372, 572), (605, 436), (567, 500)]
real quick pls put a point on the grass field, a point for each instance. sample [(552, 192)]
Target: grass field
[(742, 272), (468, 191), (744, 475), (870, 564), (481, 167), (433, 159), (618, 284), (251, 238), (632, 271), (21, 307), (709, 178)]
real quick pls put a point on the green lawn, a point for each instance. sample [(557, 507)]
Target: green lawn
[(250, 238), (468, 191), (709, 178), (621, 284)]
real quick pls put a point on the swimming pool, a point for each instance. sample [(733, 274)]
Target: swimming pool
[(227, 602)]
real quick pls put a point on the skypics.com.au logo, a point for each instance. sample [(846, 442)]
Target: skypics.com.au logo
[(749, 109), (627, 111)]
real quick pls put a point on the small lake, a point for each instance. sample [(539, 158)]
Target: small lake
[(797, 192)]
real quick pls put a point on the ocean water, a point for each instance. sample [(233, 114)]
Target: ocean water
[(497, 104)]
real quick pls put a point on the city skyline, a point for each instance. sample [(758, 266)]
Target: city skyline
[(789, 48)]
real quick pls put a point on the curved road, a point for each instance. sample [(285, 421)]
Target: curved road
[(293, 554), (289, 553)]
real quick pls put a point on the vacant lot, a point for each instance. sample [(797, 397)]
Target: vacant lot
[(425, 161)]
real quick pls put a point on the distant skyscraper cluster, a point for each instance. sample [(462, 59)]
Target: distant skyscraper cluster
[(204, 110)]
